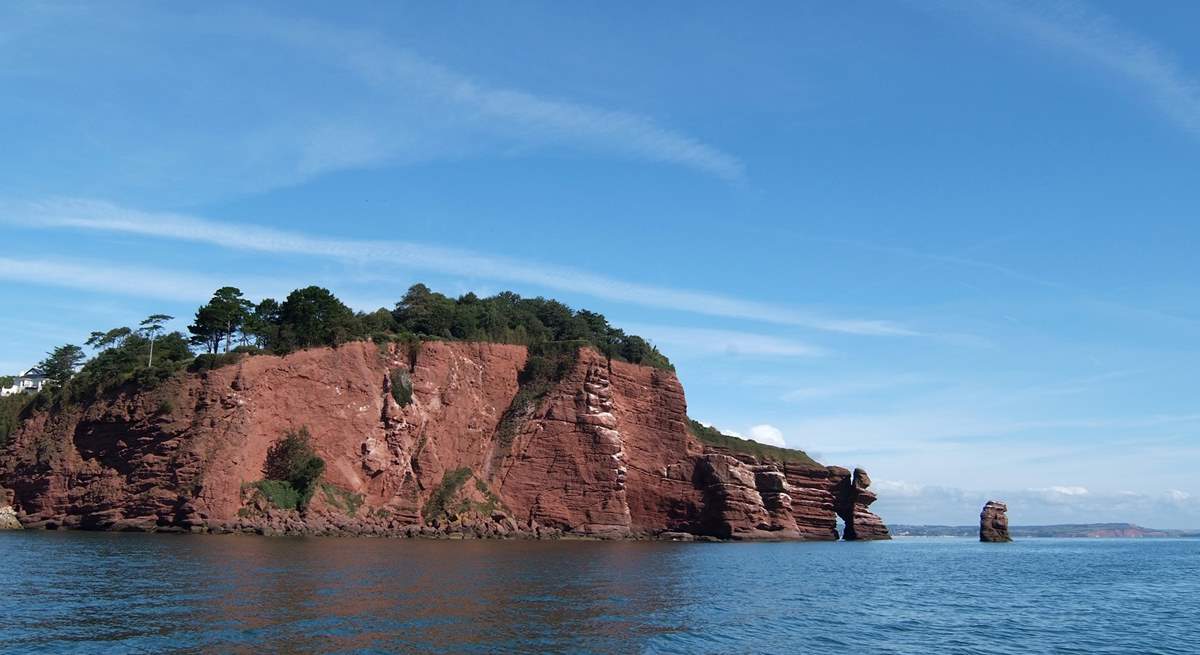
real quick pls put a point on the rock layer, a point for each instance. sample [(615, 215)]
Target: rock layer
[(604, 453), (993, 522)]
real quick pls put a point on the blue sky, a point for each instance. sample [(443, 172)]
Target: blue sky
[(953, 243)]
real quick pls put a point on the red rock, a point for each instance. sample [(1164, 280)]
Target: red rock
[(852, 498), (993, 522), (606, 454)]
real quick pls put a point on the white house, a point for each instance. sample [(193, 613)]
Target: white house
[(31, 381)]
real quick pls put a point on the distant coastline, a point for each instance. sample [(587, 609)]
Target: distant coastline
[(1067, 530)]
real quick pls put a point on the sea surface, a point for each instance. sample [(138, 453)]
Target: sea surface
[(76, 592)]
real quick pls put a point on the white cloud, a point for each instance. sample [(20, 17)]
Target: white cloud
[(902, 502), (763, 433), (106, 217), (723, 342), (316, 98), (402, 74), (768, 434), (1097, 39), (109, 278), (1069, 491)]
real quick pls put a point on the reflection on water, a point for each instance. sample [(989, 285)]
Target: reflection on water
[(87, 593)]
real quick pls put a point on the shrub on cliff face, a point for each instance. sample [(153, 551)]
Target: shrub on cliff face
[(279, 494), (11, 408), (293, 462), (438, 504), (401, 387), (347, 501), (546, 366)]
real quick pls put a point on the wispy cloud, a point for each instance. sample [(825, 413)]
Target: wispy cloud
[(107, 277), (313, 98), (1097, 39), (725, 342), (106, 217), (402, 73)]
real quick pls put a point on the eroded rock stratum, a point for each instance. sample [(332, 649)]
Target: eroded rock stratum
[(604, 453)]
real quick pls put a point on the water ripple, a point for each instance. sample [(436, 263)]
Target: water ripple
[(90, 593)]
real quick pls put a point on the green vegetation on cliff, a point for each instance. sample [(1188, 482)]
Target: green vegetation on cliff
[(438, 505), (315, 317), (229, 327), (291, 472), (548, 363), (763, 452), (11, 408), (508, 318)]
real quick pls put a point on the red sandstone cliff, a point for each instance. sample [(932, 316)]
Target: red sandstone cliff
[(607, 453)]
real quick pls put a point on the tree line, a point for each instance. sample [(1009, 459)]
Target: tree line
[(230, 325)]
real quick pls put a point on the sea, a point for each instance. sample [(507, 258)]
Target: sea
[(83, 592)]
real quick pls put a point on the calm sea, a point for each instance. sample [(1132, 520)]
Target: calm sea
[(73, 592)]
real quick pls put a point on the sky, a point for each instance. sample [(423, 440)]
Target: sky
[(952, 243)]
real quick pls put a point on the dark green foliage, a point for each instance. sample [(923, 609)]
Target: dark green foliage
[(123, 359), (12, 408), (262, 325), (438, 504), (220, 320), (509, 318), (293, 461), (547, 364), (313, 316), (280, 494), (152, 328), (379, 325), (401, 387), (60, 364), (209, 362), (763, 452)]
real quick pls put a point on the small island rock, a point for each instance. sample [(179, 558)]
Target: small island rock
[(993, 522)]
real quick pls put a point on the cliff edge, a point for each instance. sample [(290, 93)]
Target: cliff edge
[(435, 438)]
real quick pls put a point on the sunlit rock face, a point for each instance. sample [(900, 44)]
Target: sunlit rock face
[(993, 522), (604, 453)]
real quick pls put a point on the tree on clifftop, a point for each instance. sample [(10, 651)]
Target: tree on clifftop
[(152, 328), (220, 319), (313, 316), (60, 364)]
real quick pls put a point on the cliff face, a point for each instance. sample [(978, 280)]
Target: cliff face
[(605, 453)]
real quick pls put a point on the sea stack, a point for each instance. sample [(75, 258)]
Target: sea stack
[(853, 499), (993, 522)]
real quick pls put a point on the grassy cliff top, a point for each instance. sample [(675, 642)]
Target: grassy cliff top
[(763, 452)]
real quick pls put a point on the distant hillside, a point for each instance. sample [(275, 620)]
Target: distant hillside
[(1070, 530)]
